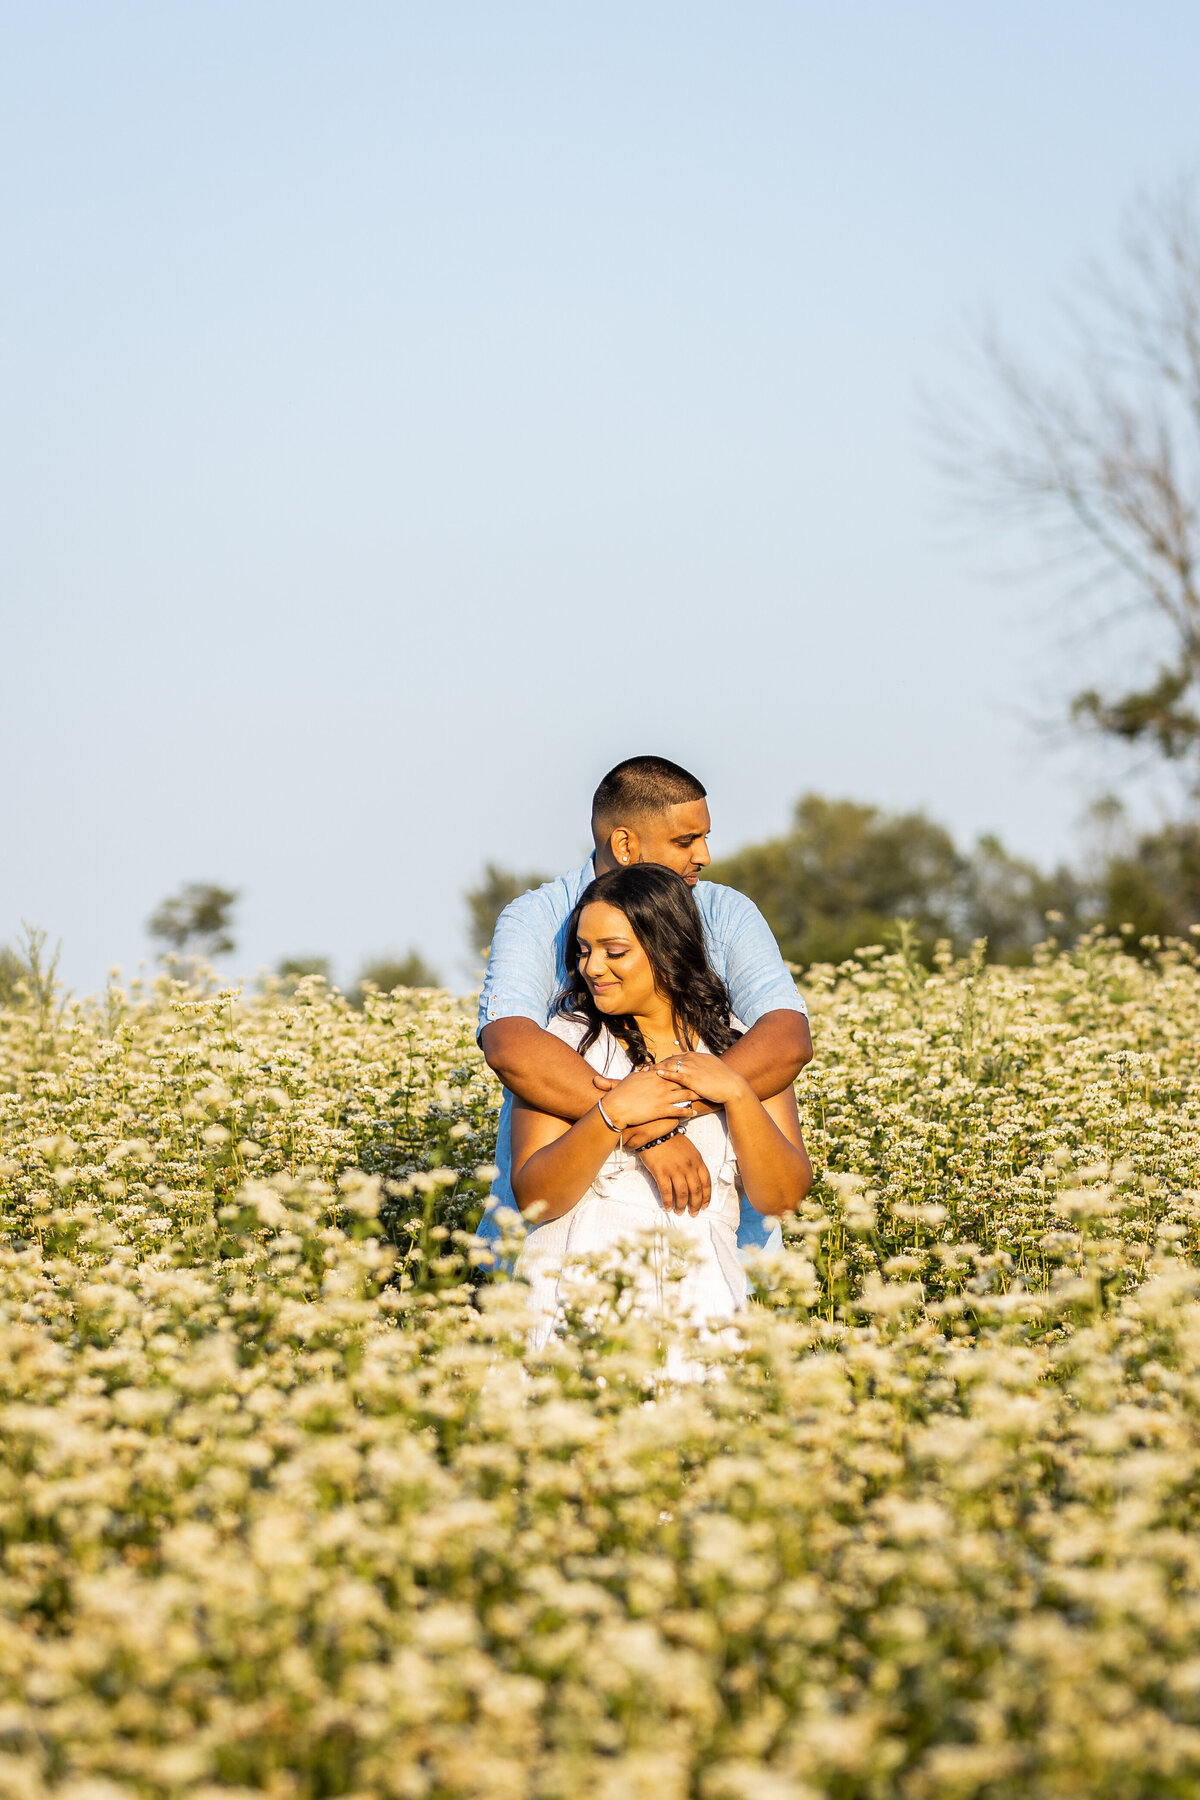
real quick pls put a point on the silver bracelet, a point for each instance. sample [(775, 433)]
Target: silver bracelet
[(605, 1117)]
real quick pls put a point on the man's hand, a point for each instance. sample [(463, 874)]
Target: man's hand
[(680, 1175), (637, 1135)]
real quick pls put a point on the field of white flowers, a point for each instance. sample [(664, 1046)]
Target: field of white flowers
[(285, 1511)]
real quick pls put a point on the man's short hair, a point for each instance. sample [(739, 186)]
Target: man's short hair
[(641, 787)]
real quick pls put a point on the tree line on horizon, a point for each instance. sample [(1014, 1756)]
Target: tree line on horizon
[(843, 876), (846, 873)]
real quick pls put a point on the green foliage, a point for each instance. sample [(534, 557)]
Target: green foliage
[(13, 974), (846, 873), (1155, 886), (196, 920), (387, 973), (295, 968), (28, 976), (1161, 715), (843, 875), (1015, 905), (488, 900), (290, 971)]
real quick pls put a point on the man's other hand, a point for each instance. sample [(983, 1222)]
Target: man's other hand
[(680, 1175)]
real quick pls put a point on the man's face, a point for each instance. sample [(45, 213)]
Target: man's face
[(678, 839)]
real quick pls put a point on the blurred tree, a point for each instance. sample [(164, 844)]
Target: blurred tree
[(13, 974), (292, 969), (300, 966), (847, 873), (1007, 900), (27, 975), (844, 874), (1154, 886), (1106, 462), (390, 972), (197, 920), (486, 902)]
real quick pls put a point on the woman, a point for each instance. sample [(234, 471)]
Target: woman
[(643, 1005)]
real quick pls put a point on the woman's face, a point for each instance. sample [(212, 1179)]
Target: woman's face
[(613, 963)]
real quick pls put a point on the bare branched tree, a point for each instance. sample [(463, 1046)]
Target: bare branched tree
[(1105, 460)]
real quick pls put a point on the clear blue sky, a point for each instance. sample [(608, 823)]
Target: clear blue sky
[(406, 411)]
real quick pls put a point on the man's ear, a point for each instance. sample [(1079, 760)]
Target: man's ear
[(624, 846)]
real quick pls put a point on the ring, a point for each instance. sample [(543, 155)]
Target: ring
[(678, 1064)]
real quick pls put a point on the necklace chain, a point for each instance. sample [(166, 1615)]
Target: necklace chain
[(653, 1047)]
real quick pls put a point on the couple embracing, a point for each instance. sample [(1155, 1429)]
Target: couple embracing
[(647, 1033)]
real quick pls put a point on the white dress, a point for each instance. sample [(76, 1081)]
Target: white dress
[(622, 1209)]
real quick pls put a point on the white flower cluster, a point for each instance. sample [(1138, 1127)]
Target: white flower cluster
[(286, 1510)]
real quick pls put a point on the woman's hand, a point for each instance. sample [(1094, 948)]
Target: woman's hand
[(704, 1077), (643, 1096)]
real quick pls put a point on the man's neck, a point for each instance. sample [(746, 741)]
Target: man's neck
[(603, 860)]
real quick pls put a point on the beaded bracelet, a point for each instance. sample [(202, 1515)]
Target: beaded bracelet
[(665, 1138)]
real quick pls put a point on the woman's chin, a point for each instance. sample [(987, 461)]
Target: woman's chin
[(607, 1003)]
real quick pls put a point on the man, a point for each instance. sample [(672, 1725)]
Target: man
[(646, 810)]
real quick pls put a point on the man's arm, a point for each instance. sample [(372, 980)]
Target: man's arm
[(769, 1057), (552, 1078), (540, 1069), (772, 1053)]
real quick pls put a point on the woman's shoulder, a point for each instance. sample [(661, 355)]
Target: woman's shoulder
[(605, 1055), (569, 1027)]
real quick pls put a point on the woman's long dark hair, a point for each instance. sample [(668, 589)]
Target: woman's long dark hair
[(665, 920)]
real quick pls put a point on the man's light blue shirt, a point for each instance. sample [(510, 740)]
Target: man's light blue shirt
[(527, 971)]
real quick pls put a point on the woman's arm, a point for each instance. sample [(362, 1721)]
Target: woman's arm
[(554, 1165), (772, 1162)]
